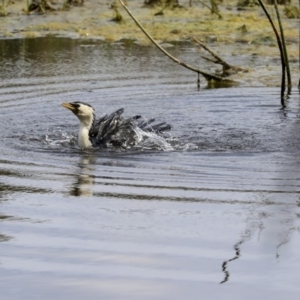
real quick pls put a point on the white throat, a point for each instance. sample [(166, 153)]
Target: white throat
[(83, 136)]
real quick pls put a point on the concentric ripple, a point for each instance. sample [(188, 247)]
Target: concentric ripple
[(215, 201)]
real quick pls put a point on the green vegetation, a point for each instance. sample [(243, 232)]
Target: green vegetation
[(247, 28)]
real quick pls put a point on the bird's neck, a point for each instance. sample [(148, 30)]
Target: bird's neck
[(83, 136)]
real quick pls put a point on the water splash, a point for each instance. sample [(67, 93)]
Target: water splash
[(59, 140), (62, 139), (151, 141), (56, 140)]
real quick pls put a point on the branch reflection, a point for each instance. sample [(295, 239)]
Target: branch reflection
[(254, 223)]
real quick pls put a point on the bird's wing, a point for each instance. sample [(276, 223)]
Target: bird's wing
[(113, 129), (157, 128), (118, 131)]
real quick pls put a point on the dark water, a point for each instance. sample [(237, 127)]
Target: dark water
[(211, 212)]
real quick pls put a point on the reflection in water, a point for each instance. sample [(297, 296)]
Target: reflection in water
[(4, 238), (84, 178), (286, 222), (147, 235), (281, 228), (253, 223), (285, 239), (225, 263)]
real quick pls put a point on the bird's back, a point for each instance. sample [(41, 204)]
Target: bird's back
[(116, 130)]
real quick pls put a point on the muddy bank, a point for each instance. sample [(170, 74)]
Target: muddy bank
[(240, 37), (248, 29)]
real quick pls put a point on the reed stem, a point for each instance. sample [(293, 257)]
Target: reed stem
[(285, 54), (283, 66)]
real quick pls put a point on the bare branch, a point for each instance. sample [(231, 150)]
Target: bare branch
[(227, 68), (206, 75), (218, 58)]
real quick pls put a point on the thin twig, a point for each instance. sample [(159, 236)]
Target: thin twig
[(206, 75), (227, 68), (218, 58)]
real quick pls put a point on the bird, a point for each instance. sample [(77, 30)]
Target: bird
[(112, 130)]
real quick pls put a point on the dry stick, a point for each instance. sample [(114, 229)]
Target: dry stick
[(219, 59), (227, 68), (280, 49), (206, 75), (286, 59)]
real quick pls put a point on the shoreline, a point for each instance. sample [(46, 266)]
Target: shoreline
[(248, 30), (242, 38)]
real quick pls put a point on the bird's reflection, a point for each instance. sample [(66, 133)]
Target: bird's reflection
[(83, 186)]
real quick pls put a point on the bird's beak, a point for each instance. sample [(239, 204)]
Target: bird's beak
[(69, 106)]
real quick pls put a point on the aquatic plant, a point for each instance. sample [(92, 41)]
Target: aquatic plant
[(282, 49)]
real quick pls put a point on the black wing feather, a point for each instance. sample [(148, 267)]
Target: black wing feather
[(116, 130)]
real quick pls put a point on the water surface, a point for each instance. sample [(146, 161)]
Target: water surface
[(210, 212)]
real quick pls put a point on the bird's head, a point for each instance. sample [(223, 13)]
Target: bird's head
[(83, 111)]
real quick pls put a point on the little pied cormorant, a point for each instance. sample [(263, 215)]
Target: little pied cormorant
[(110, 130)]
